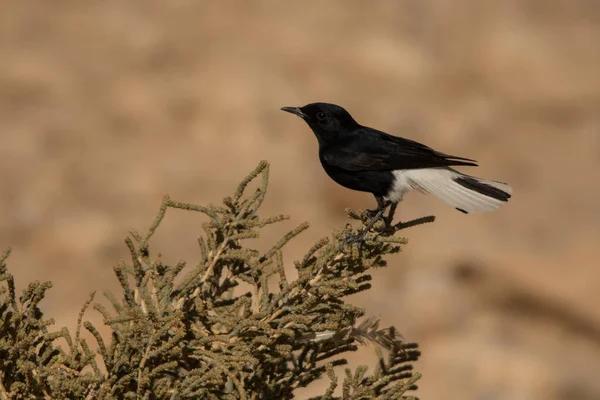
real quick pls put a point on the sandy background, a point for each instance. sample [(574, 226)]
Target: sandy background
[(105, 106)]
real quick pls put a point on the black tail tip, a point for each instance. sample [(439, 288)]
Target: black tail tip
[(482, 188)]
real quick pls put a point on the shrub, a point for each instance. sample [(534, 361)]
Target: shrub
[(192, 332)]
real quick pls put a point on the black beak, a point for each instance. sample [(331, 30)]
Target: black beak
[(295, 111)]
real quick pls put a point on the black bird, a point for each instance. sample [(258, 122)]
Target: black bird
[(368, 160)]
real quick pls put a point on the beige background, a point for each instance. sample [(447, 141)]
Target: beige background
[(107, 105)]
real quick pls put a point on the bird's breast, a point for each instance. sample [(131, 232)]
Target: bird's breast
[(377, 182)]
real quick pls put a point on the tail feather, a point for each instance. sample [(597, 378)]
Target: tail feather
[(466, 193), (483, 187)]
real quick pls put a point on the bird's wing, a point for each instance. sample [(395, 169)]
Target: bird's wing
[(372, 150)]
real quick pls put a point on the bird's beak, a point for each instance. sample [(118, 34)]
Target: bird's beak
[(294, 110)]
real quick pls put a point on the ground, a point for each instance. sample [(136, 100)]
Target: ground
[(107, 106)]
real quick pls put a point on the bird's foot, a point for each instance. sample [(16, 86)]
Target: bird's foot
[(388, 220), (388, 229), (371, 213)]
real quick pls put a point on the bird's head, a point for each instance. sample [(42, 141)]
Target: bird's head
[(328, 121)]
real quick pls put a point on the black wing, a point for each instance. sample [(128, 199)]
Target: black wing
[(372, 150)]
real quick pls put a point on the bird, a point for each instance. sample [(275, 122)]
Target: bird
[(368, 160)]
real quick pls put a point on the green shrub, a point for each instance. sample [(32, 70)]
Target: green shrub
[(182, 332)]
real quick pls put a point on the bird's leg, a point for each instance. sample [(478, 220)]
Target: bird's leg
[(380, 211), (390, 217), (380, 203)]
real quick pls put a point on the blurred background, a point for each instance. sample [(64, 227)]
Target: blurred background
[(106, 106)]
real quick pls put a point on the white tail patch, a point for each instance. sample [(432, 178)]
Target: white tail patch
[(441, 182)]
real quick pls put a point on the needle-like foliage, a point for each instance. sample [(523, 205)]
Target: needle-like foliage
[(192, 332)]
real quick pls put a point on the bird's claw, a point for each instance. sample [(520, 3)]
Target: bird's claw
[(371, 213), (388, 230), (388, 227)]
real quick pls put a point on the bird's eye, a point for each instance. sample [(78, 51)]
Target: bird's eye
[(321, 116)]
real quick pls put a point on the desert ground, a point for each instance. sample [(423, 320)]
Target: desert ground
[(106, 106)]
